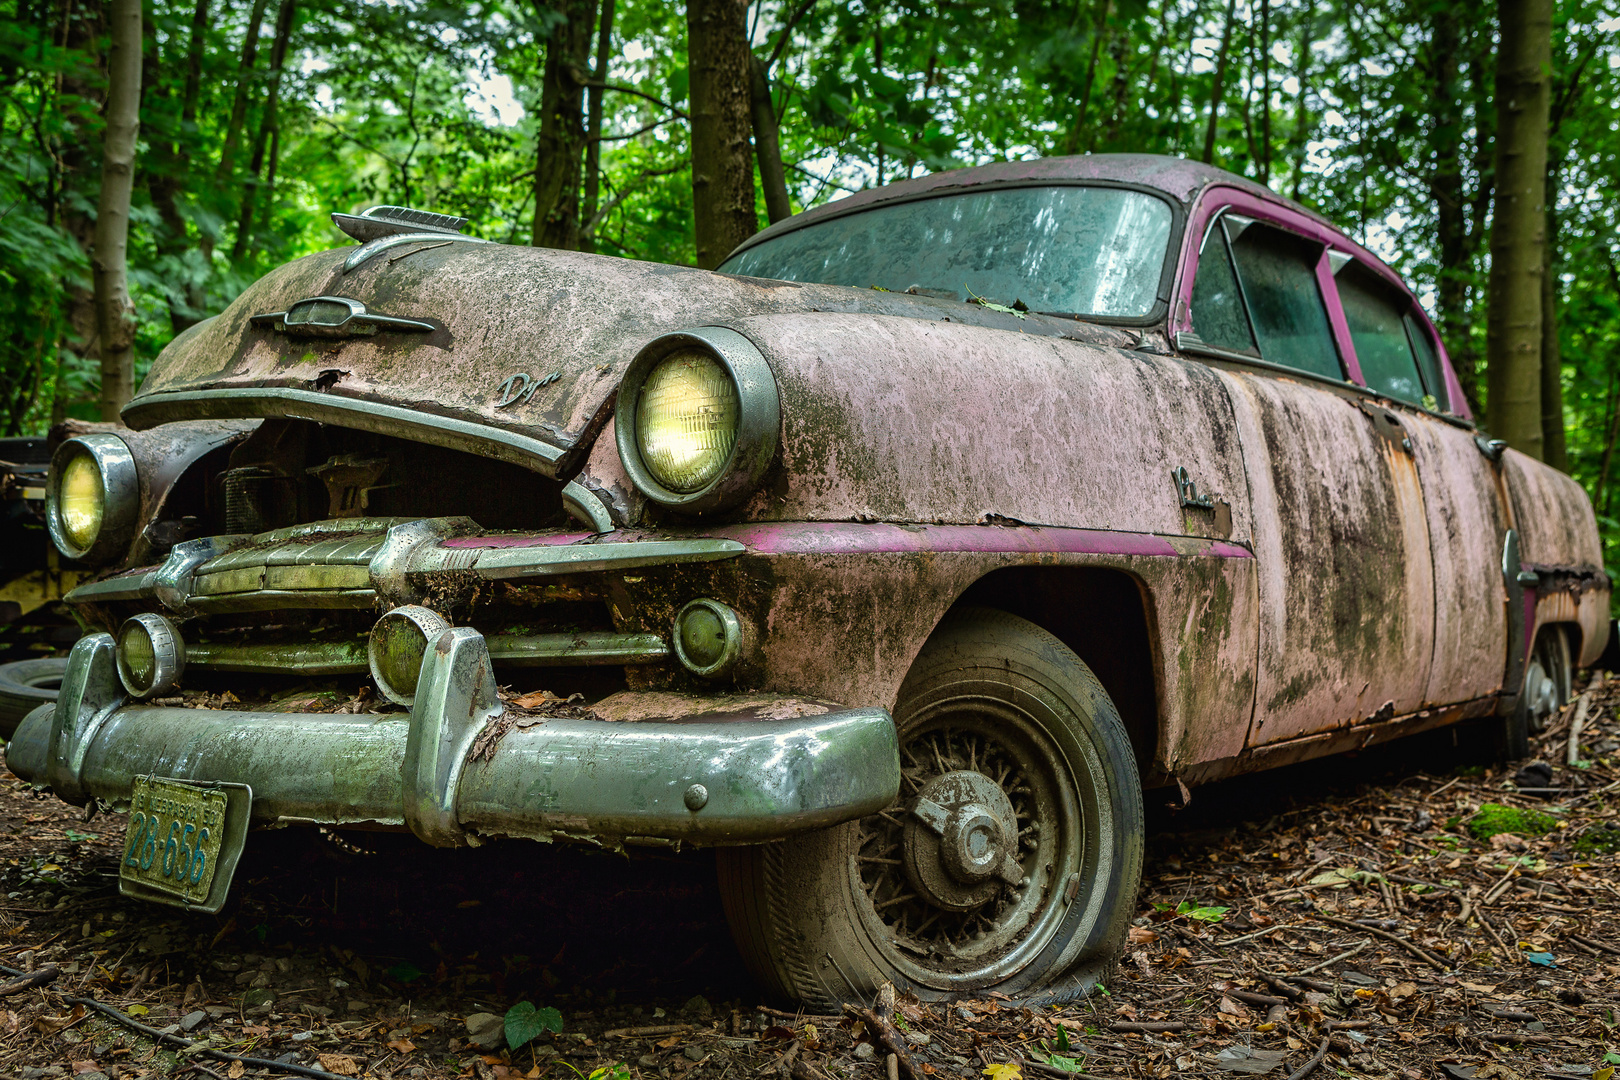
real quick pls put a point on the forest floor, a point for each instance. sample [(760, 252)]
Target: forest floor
[(1350, 917)]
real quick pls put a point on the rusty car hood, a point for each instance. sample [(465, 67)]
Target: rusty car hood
[(569, 321)]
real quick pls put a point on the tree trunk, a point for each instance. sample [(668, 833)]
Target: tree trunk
[(768, 145), (722, 166), (1264, 163), (1302, 112), (244, 79), (268, 124), (171, 168), (1456, 245), (1071, 144), (561, 144), (593, 131), (115, 312), (1215, 92), (1518, 229), (1555, 450)]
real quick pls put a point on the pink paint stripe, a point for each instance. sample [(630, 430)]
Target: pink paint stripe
[(856, 538), (849, 538)]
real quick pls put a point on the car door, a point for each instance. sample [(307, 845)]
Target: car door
[(1341, 539), (1400, 359)]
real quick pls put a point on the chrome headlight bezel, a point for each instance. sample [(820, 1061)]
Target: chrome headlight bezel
[(120, 497), (759, 419)]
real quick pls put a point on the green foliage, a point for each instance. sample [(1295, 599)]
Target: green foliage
[(1493, 818), (525, 1023), (1202, 913), (1600, 839)]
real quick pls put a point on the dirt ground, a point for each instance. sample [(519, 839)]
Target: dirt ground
[(1341, 917)]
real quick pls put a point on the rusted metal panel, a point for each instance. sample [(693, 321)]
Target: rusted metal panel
[(838, 611), (1346, 588), (1466, 524), (569, 322), (1558, 532), (1031, 430), (1556, 524)]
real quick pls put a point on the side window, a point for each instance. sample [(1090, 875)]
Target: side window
[(1218, 317), (1277, 271), (1377, 316), (1428, 360)]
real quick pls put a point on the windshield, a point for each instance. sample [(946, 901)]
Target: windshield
[(1070, 250)]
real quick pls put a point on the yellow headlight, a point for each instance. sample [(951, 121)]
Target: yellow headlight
[(686, 424), (81, 501)]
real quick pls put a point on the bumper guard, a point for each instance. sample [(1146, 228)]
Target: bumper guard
[(707, 779)]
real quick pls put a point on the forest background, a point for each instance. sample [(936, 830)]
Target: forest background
[(576, 123)]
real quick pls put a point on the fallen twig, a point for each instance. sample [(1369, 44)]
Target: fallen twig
[(1508, 1014), (1250, 998), (1149, 1028), (783, 1014), (1347, 954), (1410, 946), (1595, 944), (888, 1038), (1310, 1066), (175, 1040), (643, 1032), (38, 978)]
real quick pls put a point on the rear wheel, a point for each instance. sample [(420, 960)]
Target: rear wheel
[(1010, 861), (1548, 683)]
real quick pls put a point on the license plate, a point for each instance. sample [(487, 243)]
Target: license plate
[(183, 841)]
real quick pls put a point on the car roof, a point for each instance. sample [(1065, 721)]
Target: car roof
[(1175, 177)]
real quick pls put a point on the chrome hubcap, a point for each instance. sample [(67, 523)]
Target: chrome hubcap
[(960, 841)]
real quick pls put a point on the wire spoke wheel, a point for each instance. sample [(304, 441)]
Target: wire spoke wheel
[(962, 879), (1010, 859)]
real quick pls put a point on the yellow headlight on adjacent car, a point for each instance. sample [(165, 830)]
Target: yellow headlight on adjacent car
[(81, 500), (687, 423)]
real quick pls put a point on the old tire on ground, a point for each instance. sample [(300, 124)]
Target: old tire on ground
[(1548, 683), (24, 686), (1006, 735)]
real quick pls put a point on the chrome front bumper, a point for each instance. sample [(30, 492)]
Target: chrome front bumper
[(703, 777)]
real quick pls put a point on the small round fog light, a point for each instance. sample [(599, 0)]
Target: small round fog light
[(151, 655), (708, 638), (399, 641)]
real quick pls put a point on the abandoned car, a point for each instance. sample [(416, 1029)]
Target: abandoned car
[(893, 559)]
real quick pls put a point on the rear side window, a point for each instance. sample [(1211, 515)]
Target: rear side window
[(1218, 316), (1377, 317), (1256, 294), (1428, 361), (1278, 273)]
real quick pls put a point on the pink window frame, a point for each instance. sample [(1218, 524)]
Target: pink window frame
[(1215, 199)]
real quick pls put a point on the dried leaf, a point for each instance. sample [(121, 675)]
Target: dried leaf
[(236, 1070), (342, 1064), (1003, 1071)]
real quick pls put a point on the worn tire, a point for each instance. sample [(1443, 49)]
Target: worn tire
[(1548, 681), (824, 918), (24, 686)]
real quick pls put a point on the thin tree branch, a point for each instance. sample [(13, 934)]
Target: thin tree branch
[(786, 33), (660, 102)]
